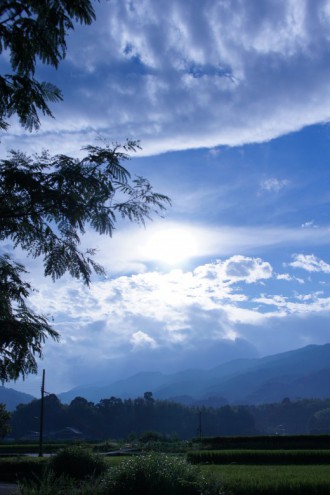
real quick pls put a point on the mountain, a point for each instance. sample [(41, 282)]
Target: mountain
[(11, 398), (303, 373), (133, 386)]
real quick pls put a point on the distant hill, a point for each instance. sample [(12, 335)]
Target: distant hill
[(302, 373), (11, 398)]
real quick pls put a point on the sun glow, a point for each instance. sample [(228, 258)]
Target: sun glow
[(172, 245)]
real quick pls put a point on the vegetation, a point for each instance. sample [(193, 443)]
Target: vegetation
[(159, 422), (172, 474), (48, 203), (17, 449), (31, 32), (145, 474), (259, 457), (4, 421), (154, 473), (117, 419), (270, 480), (77, 462), (19, 468), (269, 442), (49, 484)]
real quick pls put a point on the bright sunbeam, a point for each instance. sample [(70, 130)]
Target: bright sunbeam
[(172, 245)]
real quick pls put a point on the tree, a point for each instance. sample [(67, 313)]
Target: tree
[(32, 30), (4, 421), (22, 331), (320, 422), (47, 203)]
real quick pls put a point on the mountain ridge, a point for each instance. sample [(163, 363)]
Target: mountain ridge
[(12, 398), (237, 381), (299, 373)]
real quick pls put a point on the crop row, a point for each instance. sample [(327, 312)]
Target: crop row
[(278, 457), (272, 442), (270, 480)]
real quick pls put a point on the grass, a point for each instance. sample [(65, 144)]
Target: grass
[(280, 457), (14, 468), (270, 480), (28, 448), (146, 474), (263, 473)]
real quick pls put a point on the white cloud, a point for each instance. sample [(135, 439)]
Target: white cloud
[(141, 339), (289, 278), (172, 319), (176, 75), (247, 269), (307, 225), (310, 263), (304, 305), (167, 243), (284, 276), (165, 304), (273, 184)]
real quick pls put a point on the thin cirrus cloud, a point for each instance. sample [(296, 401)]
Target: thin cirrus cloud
[(177, 75)]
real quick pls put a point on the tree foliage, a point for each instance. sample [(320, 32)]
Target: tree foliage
[(117, 418), (32, 31), (5, 417), (22, 331), (46, 204)]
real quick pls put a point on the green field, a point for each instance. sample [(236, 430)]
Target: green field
[(259, 457), (270, 480), (229, 472)]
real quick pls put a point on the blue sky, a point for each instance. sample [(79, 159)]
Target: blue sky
[(231, 102)]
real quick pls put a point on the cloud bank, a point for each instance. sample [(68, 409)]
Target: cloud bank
[(181, 75), (238, 306)]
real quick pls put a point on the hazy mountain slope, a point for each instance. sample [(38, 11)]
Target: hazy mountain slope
[(190, 383), (11, 398), (274, 377), (300, 373), (133, 386)]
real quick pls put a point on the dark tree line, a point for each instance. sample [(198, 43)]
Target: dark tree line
[(293, 417), (115, 418)]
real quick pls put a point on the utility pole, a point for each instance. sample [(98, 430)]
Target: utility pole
[(41, 429)]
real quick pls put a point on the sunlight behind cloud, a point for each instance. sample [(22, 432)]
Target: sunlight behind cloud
[(172, 245)]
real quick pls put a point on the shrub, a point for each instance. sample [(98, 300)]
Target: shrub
[(78, 463), (13, 469), (151, 436), (154, 473), (51, 485)]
